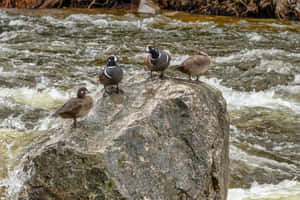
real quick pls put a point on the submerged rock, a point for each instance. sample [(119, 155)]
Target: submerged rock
[(160, 140)]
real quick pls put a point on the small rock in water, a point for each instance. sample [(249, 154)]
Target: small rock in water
[(148, 6)]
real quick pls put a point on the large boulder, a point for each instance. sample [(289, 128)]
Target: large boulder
[(161, 139)]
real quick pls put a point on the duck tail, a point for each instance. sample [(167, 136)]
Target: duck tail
[(179, 68), (57, 113)]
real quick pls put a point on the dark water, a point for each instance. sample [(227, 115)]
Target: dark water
[(45, 55)]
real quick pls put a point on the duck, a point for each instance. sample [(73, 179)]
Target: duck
[(195, 65), (112, 74), (157, 60), (76, 107)]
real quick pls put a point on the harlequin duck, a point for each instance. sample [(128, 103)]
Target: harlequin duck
[(158, 60), (195, 65), (76, 107), (112, 74)]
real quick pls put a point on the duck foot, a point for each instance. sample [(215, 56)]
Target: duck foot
[(107, 93), (84, 125), (149, 79), (120, 91), (74, 127), (161, 76), (198, 80)]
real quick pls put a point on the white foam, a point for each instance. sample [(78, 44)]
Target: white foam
[(58, 43), (59, 22), (278, 66), (46, 124), (297, 78), (238, 99), (100, 22), (6, 36), (33, 98), (149, 20), (3, 14), (285, 190), (246, 54), (226, 59), (261, 162), (130, 20), (15, 177), (278, 25), (79, 17), (254, 37), (178, 60), (17, 23), (14, 182), (292, 89), (13, 122)]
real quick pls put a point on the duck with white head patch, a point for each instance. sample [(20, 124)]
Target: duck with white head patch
[(195, 65), (158, 60), (112, 74)]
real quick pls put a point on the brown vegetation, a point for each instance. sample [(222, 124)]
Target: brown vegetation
[(68, 3), (283, 9)]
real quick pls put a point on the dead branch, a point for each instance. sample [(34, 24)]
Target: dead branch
[(91, 4), (48, 4)]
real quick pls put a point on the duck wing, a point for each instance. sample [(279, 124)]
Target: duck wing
[(197, 60), (112, 71), (71, 108)]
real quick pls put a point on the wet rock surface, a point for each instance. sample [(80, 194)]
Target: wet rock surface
[(162, 139)]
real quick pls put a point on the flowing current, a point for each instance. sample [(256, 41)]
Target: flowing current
[(46, 55)]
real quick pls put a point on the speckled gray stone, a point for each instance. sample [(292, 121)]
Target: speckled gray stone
[(161, 139)]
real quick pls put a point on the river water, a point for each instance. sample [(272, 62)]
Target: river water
[(45, 55)]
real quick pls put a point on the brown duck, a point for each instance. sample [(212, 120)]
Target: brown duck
[(195, 65), (76, 107)]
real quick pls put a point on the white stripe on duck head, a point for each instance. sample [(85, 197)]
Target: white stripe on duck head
[(152, 50), (111, 61)]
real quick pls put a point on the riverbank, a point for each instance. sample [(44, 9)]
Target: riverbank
[(282, 9)]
